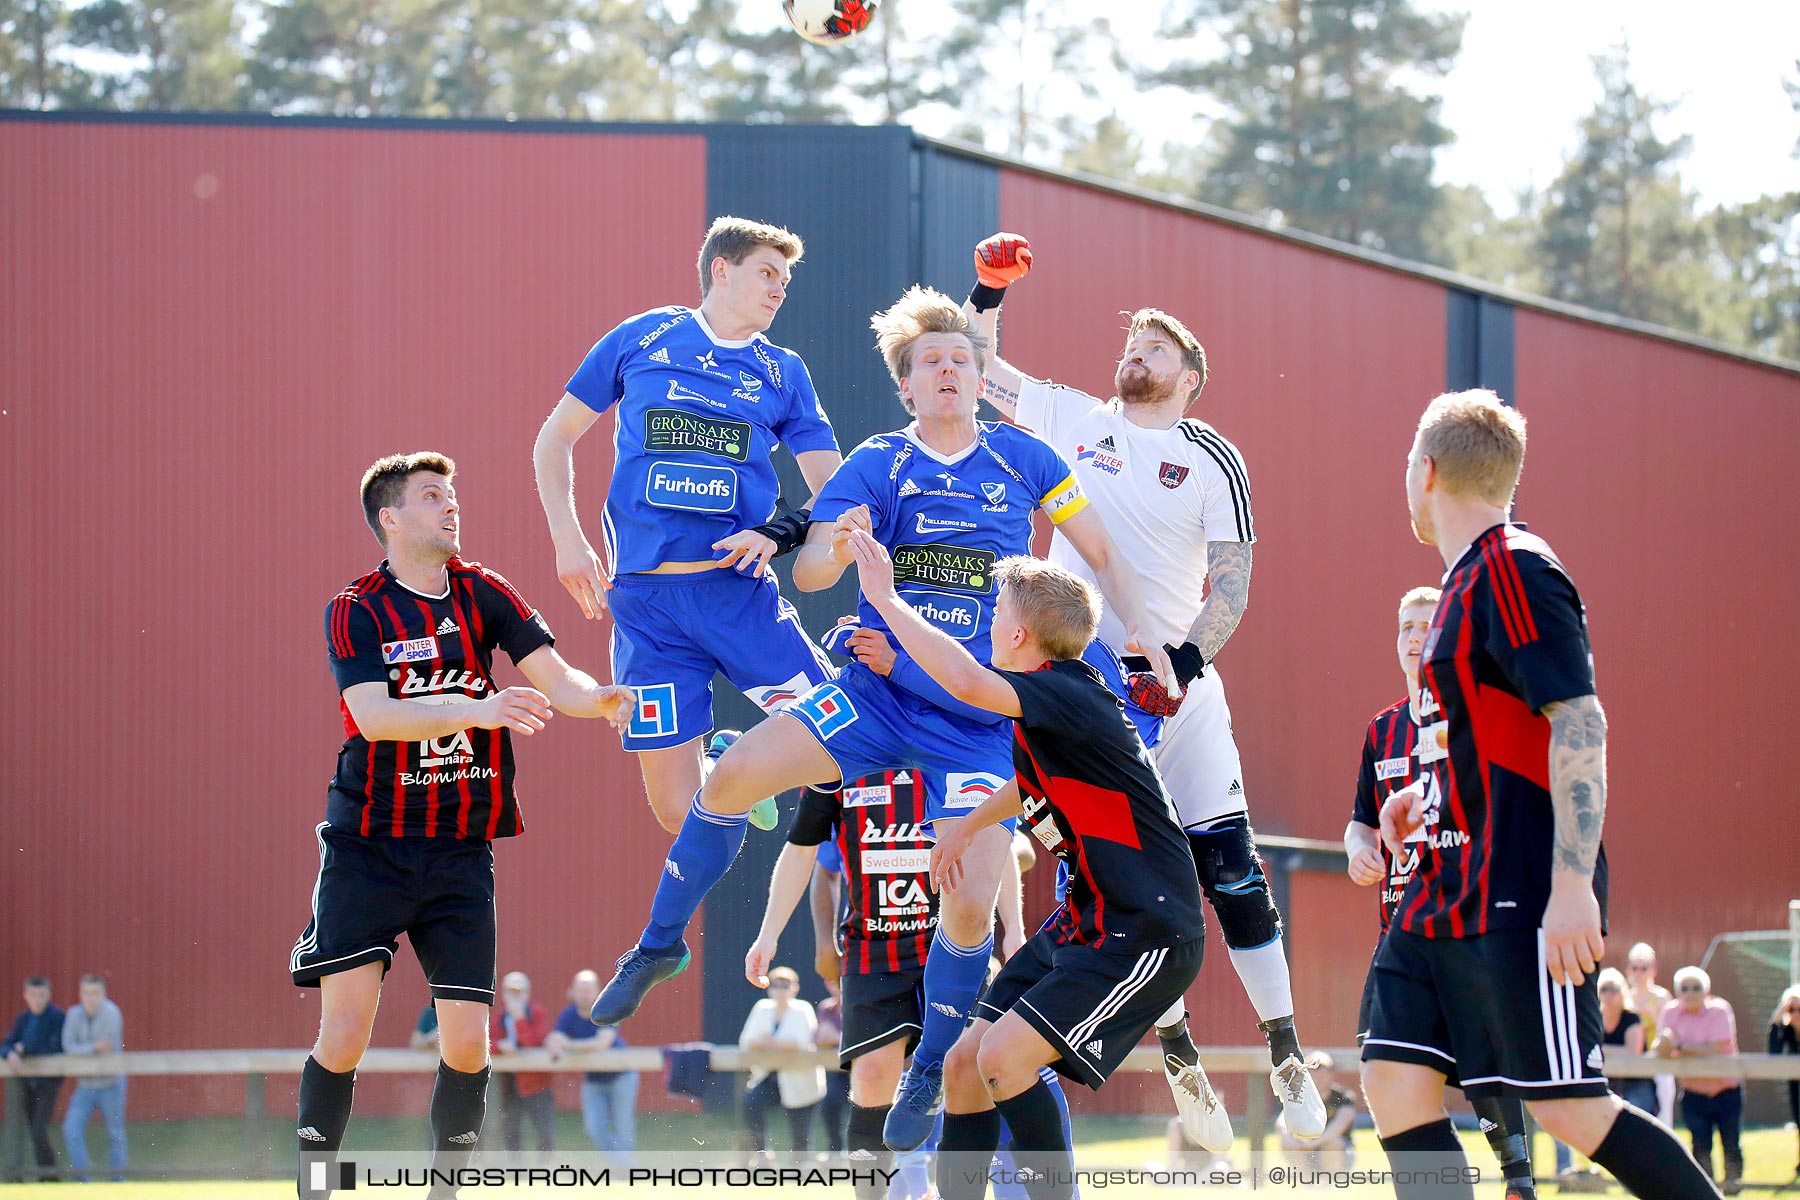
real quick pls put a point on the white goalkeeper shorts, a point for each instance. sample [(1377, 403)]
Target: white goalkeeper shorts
[(1198, 758)]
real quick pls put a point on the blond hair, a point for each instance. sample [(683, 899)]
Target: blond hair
[(1193, 354), (1421, 597), (1613, 977), (1477, 444), (733, 238), (920, 311), (1059, 609), (785, 975)]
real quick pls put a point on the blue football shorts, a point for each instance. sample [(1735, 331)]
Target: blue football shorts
[(673, 633)]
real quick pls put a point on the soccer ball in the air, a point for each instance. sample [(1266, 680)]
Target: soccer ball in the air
[(828, 22)]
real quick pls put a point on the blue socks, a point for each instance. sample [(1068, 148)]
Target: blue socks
[(703, 851), (954, 976)]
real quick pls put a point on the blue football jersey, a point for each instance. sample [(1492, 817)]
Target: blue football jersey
[(699, 419), (946, 522)]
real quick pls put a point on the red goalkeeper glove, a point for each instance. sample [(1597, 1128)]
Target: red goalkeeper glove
[(1002, 259), (1147, 692)]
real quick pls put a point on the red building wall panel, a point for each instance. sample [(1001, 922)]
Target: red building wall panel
[(1318, 368), (209, 332), (1662, 475)]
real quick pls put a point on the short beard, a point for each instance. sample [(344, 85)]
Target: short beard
[(1146, 389)]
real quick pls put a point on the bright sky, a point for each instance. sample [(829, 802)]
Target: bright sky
[(1524, 79)]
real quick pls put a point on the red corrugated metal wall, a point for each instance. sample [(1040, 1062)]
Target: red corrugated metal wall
[(1318, 367), (1663, 476), (209, 332)]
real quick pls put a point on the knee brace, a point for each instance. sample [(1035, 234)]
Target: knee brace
[(1233, 881)]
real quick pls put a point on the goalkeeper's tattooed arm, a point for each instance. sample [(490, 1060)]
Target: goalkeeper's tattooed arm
[(1000, 384), (1228, 581)]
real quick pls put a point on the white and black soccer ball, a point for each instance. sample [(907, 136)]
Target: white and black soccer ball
[(829, 22)]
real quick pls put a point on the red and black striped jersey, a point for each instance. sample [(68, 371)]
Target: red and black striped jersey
[(890, 910), (1391, 761), (1093, 798), (434, 650), (1509, 637)]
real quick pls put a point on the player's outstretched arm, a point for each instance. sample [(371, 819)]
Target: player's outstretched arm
[(942, 658), (954, 837), (575, 692), (1362, 844), (579, 568), (824, 557), (381, 718), (787, 883), (1000, 261), (1119, 584), (1573, 943)]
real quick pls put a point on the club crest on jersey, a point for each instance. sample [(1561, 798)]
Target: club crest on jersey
[(1172, 475), (969, 789), (750, 382), (409, 651), (1101, 459), (995, 491)]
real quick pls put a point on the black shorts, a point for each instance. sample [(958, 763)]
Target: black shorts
[(881, 1007), (1093, 1003), (439, 892), (1485, 1009)]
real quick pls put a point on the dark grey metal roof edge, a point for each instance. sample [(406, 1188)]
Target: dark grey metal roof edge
[(1375, 258)]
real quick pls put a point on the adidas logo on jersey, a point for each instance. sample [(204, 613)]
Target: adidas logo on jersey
[(447, 626), (1106, 443), (308, 1133), (904, 777), (660, 355), (1093, 1047), (1236, 788), (909, 488)]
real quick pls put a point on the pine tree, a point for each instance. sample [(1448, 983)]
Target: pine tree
[(1320, 130), (35, 71), (178, 54), (1618, 229)]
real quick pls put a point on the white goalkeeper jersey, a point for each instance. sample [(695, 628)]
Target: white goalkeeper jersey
[(1163, 494)]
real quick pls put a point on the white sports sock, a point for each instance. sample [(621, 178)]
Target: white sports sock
[(1264, 972)]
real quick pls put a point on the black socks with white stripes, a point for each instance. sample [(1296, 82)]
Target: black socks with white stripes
[(1649, 1161), (1039, 1144), (1503, 1121), (324, 1114), (867, 1152), (964, 1150), (1420, 1158)]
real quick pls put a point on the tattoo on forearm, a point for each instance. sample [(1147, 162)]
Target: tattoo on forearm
[(998, 394), (1577, 781), (1228, 577)]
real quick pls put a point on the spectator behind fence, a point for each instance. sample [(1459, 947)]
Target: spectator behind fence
[(1651, 999), (519, 1023), (1624, 1030), (1700, 1023), (1330, 1151), (37, 1031), (783, 1021), (95, 1026), (425, 1030), (1784, 1038), (608, 1098), (834, 1109)]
